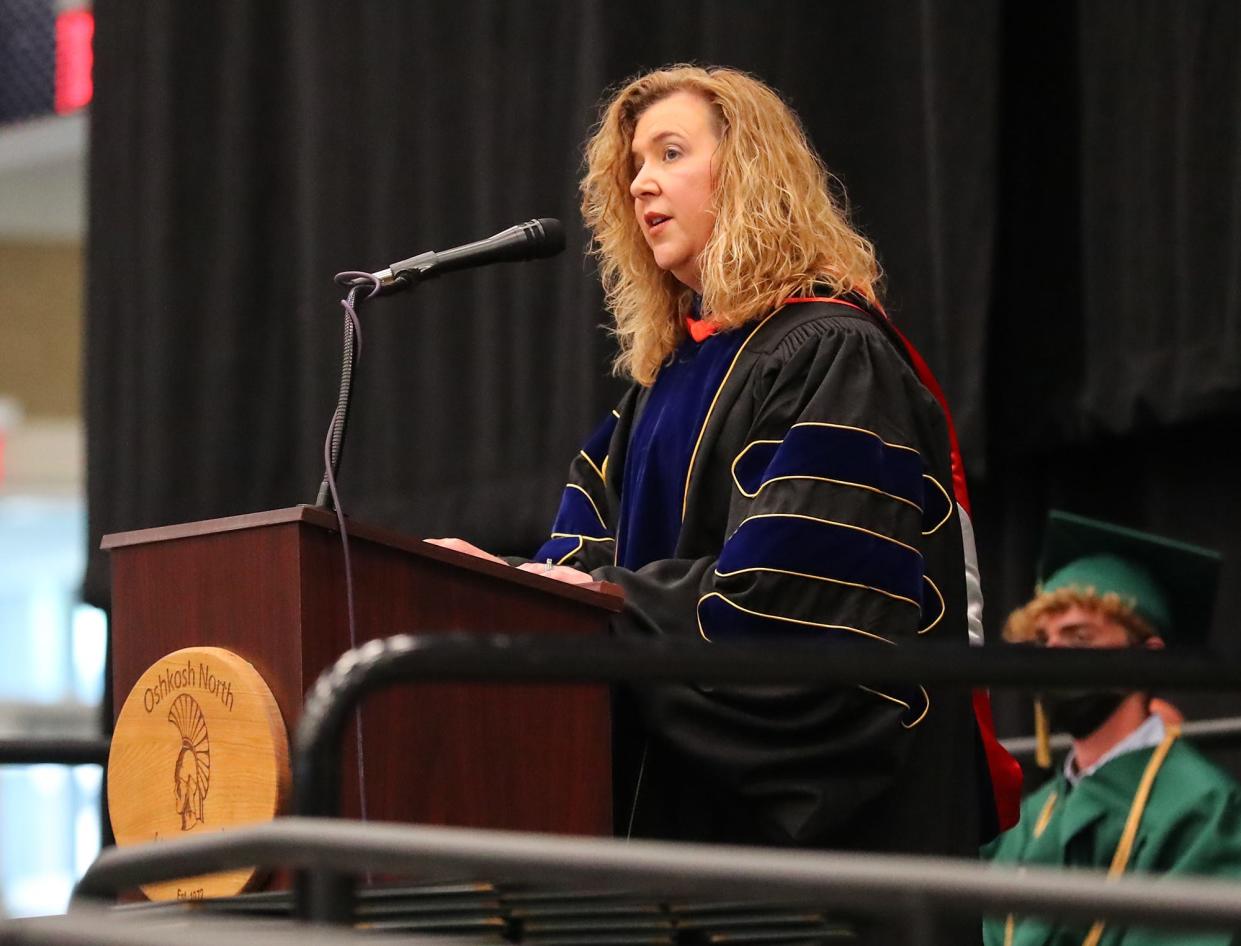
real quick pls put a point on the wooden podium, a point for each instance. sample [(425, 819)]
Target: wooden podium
[(270, 586)]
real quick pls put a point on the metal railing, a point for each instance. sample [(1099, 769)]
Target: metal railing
[(92, 925), (43, 750), (1223, 731), (409, 659), (923, 888), (328, 854), (324, 894)]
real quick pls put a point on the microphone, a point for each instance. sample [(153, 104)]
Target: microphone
[(534, 239)]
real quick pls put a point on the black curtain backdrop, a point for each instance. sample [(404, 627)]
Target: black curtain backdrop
[(1114, 354), (1053, 189), (245, 153)]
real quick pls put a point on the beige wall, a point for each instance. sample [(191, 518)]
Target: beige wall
[(41, 327)]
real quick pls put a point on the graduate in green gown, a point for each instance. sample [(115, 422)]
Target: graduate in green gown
[(1131, 796)]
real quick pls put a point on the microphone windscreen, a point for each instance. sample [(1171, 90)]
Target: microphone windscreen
[(552, 241)]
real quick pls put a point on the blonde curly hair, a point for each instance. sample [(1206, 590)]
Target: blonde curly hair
[(1022, 625), (778, 229)]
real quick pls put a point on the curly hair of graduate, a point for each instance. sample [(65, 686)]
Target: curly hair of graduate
[(779, 231), (1022, 625)]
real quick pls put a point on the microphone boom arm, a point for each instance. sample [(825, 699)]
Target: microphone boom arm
[(533, 239)]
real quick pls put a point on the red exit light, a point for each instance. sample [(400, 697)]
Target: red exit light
[(74, 58)]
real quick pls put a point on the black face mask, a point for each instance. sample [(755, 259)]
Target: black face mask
[(1081, 712)]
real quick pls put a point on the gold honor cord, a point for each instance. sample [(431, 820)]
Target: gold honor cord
[(1120, 859), (1042, 736), (1044, 816)]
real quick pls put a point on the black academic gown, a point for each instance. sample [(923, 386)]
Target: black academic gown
[(817, 507)]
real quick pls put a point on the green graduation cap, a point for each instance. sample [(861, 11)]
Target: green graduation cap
[(1170, 584)]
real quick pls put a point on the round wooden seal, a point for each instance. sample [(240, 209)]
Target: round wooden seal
[(199, 746)]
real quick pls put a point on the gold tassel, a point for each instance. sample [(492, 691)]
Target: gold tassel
[(1042, 736)]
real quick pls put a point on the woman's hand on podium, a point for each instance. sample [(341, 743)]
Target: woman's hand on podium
[(460, 545), (548, 570), (558, 572)]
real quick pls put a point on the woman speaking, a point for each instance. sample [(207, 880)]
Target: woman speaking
[(779, 470)]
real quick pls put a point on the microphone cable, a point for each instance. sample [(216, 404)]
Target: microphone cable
[(331, 457), (534, 239)]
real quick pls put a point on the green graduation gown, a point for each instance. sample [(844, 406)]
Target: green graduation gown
[(1191, 825)]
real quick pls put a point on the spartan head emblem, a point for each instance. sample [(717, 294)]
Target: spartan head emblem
[(192, 775)]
